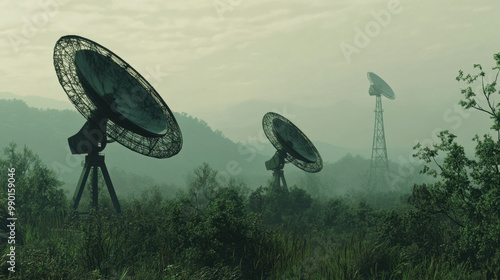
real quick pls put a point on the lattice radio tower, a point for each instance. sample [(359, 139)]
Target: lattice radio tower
[(379, 161)]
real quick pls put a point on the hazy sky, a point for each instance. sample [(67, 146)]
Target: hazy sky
[(231, 61)]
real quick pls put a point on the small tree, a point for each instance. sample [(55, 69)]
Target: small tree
[(203, 187), (468, 190), (37, 192)]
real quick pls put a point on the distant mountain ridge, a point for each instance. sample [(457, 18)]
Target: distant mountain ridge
[(45, 131), (39, 101), (329, 152)]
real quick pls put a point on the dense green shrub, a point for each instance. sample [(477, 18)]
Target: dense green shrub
[(467, 192), (214, 230), (37, 189)]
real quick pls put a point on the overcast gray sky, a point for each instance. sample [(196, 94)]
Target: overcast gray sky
[(231, 61)]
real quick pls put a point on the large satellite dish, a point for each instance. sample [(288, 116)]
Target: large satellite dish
[(117, 102), (292, 146), (379, 160)]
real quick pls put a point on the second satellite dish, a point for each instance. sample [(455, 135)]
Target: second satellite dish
[(292, 146), (117, 102)]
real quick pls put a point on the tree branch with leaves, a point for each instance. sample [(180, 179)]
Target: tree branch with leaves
[(467, 190)]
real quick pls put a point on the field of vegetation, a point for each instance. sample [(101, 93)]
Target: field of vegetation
[(447, 229)]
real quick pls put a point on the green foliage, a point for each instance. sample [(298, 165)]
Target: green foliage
[(291, 210), (210, 227), (214, 230), (37, 189), (203, 187), (339, 216), (487, 90), (468, 190)]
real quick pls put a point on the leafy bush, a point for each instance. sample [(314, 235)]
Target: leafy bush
[(468, 189), (37, 189)]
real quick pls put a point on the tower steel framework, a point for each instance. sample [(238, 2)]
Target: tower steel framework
[(379, 159)]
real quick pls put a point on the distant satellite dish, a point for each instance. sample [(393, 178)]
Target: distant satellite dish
[(292, 146), (117, 102), (379, 87)]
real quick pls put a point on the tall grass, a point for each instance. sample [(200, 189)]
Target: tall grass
[(322, 257), (102, 246)]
